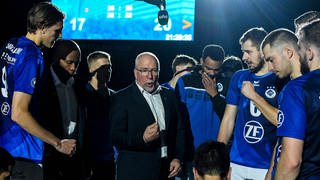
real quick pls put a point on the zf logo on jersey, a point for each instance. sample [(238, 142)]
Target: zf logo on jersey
[(5, 108), (253, 132), (219, 87), (280, 118), (270, 92)]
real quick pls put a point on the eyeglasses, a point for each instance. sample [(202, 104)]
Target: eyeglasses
[(147, 71)]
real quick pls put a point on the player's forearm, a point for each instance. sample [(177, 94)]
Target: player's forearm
[(173, 82), (287, 168), (227, 123), (225, 132), (286, 172), (290, 160), (28, 123), (266, 109), (269, 173)]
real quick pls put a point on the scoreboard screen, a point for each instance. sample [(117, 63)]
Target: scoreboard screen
[(126, 20)]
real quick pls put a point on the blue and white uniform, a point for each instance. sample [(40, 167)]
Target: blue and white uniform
[(254, 135), (299, 118), (204, 120), (21, 66)]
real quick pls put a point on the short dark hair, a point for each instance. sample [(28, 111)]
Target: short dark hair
[(280, 36), (97, 55), (214, 51), (62, 48), (306, 18), (182, 59), (231, 64), (255, 35), (212, 158), (311, 33), (43, 15)]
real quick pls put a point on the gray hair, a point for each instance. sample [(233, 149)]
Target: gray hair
[(138, 58)]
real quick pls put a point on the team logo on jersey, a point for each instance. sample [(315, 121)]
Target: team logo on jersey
[(253, 132), (270, 93), (219, 87), (33, 82), (5, 108), (280, 118)]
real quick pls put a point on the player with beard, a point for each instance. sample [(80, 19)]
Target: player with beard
[(201, 101), (299, 114), (254, 135)]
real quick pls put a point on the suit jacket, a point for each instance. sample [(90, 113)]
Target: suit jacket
[(50, 112), (97, 126), (130, 114)]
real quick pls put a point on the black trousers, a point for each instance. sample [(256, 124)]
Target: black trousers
[(58, 166), (102, 170), (26, 170)]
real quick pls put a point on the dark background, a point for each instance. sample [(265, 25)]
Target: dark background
[(217, 21)]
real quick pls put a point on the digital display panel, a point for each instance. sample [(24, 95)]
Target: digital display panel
[(126, 20)]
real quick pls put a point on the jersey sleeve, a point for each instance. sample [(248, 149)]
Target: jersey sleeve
[(180, 91), (292, 114), (25, 74)]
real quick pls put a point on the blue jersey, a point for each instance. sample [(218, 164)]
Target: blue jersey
[(166, 84), (21, 66), (254, 136), (204, 121), (299, 118)]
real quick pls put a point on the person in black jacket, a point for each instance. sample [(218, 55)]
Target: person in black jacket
[(147, 128), (100, 152), (65, 116)]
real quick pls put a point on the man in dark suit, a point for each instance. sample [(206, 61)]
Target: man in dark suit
[(146, 126)]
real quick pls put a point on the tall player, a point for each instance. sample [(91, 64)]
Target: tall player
[(22, 67), (254, 134)]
